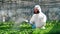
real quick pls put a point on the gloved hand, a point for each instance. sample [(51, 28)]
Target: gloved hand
[(33, 26)]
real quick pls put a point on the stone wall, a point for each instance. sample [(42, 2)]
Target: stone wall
[(49, 7)]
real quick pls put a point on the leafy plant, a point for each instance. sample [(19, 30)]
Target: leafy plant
[(25, 28)]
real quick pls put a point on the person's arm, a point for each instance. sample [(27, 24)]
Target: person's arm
[(45, 19), (32, 20)]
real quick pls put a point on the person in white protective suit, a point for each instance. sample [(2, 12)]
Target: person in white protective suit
[(38, 19)]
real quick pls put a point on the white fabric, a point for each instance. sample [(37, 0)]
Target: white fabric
[(38, 19)]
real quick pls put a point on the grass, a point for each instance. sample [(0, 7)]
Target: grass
[(52, 27)]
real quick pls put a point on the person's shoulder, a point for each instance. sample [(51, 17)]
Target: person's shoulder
[(43, 14)]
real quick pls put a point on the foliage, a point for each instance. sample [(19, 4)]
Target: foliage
[(52, 27)]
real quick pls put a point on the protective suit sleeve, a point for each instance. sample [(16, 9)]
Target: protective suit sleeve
[(45, 18), (32, 20)]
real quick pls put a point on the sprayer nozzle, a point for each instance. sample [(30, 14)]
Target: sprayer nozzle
[(26, 20)]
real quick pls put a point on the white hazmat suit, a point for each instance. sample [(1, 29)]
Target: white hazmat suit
[(38, 19)]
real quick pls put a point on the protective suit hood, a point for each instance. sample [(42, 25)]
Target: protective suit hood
[(38, 7)]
